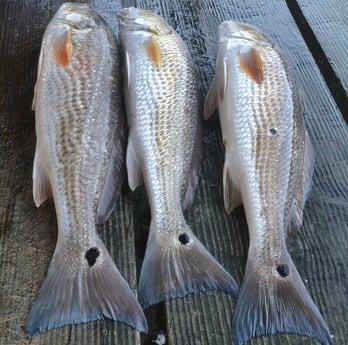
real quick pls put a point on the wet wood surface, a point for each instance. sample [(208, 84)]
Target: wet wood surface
[(28, 235), (324, 25)]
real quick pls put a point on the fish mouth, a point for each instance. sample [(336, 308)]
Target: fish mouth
[(136, 19)]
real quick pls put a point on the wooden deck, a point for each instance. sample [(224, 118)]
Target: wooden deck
[(313, 36)]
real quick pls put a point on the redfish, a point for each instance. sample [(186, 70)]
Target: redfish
[(164, 153), (268, 167), (80, 161)]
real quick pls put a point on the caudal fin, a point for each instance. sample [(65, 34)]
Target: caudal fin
[(178, 265), (275, 300), (83, 290)]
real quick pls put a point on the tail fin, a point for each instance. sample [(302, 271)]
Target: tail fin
[(178, 265), (275, 300), (83, 290)]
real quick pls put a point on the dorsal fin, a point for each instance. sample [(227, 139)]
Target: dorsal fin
[(62, 47), (114, 177), (251, 63), (153, 51)]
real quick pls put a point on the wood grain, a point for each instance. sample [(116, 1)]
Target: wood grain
[(327, 21)]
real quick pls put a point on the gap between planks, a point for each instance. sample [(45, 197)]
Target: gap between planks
[(332, 80)]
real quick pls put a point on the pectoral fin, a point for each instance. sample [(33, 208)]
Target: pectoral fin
[(135, 177), (38, 79), (223, 73), (127, 69), (62, 47), (232, 195), (251, 63), (41, 184), (153, 51), (211, 101)]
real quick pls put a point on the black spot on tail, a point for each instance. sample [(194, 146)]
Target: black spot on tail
[(283, 270), (184, 238), (272, 131), (91, 256)]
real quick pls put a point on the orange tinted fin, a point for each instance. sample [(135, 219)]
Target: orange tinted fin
[(251, 63), (153, 51), (62, 47)]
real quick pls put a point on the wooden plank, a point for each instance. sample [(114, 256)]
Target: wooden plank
[(27, 234), (328, 23), (319, 250)]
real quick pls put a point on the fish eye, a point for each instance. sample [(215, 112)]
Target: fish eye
[(184, 238), (92, 255)]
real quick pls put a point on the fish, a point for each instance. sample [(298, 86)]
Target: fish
[(269, 163), (164, 153), (80, 161)]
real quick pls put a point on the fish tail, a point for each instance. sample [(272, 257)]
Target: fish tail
[(89, 289), (275, 300), (175, 266)]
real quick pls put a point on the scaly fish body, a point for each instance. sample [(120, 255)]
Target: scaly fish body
[(164, 152), (268, 167), (79, 160)]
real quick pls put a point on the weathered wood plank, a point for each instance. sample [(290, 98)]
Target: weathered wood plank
[(27, 234), (328, 22), (319, 250)]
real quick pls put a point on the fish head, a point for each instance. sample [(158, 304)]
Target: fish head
[(76, 16), (239, 34), (245, 46), (140, 33), (138, 20), (68, 33)]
